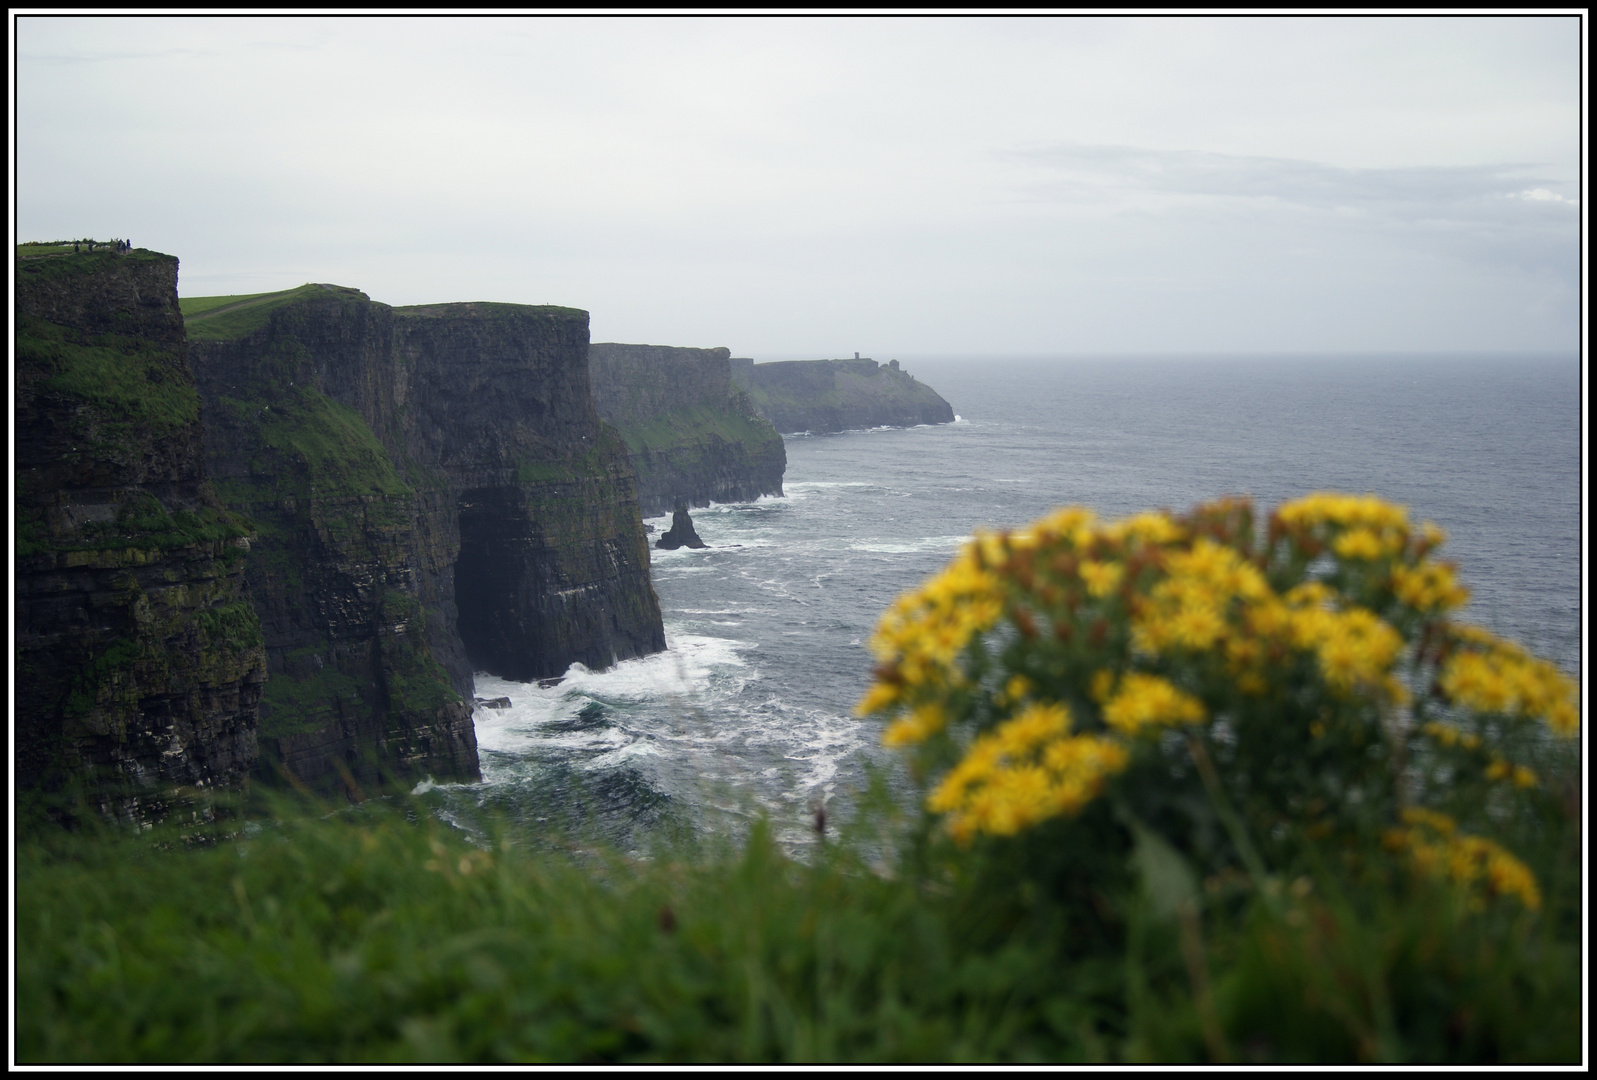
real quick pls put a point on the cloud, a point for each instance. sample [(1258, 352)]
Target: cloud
[(1088, 168), (1543, 195), (1502, 214)]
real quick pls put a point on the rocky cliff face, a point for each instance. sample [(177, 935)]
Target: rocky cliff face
[(139, 657), (838, 395), (692, 436), (554, 566), (435, 493)]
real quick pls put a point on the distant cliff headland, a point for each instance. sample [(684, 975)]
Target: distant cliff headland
[(838, 395), (276, 534)]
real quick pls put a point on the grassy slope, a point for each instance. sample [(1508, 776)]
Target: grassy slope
[(695, 425), (487, 308), (123, 376), (224, 317)]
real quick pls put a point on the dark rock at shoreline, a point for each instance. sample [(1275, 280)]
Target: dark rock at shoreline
[(494, 703), (681, 533)]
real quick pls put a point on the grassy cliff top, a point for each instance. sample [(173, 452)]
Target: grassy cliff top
[(486, 308), (221, 317), (33, 249), (56, 258)]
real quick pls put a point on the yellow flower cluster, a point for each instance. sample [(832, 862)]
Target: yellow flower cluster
[(1355, 648), (1025, 770), (1490, 675), (920, 637), (1182, 593), (1428, 587), (1379, 527), (1499, 769), (1190, 609), (1143, 701), (1434, 845), (916, 726), (1215, 597)]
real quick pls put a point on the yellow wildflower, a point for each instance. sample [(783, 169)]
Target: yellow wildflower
[(920, 724), (924, 630), (1144, 700), (1360, 543), (878, 697), (1072, 524), (1434, 845), (1492, 675), (1024, 770), (1036, 725), (1147, 528), (1329, 507), (1428, 587), (1015, 690), (1101, 578)]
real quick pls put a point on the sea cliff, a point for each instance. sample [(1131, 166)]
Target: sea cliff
[(435, 494), (692, 437), (838, 395), (139, 658)]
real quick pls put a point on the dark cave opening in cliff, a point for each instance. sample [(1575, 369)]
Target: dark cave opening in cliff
[(491, 587)]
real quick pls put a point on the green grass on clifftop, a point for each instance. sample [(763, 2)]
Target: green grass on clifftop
[(332, 451), (131, 381), (486, 309), (219, 318), (699, 424)]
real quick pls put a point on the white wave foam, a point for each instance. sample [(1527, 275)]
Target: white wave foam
[(928, 543), (624, 754), (722, 611), (685, 713)]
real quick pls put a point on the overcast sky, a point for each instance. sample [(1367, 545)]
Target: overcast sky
[(816, 187)]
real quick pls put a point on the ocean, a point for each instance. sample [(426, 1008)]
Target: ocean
[(748, 712)]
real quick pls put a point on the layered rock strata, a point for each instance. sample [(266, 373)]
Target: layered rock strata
[(139, 657), (692, 436), (435, 493), (838, 395)]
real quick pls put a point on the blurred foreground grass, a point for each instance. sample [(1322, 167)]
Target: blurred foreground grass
[(378, 934)]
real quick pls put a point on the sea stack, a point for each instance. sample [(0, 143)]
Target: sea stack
[(681, 533)]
